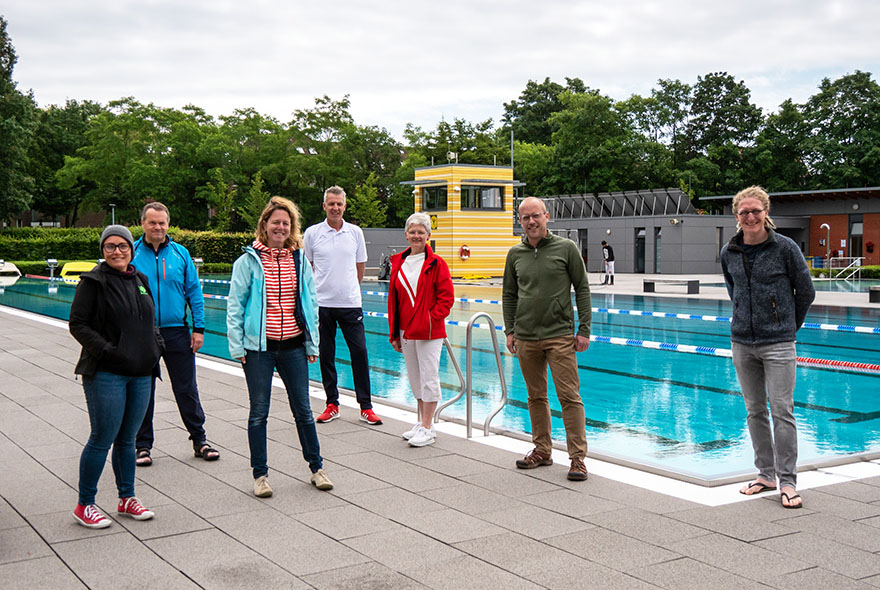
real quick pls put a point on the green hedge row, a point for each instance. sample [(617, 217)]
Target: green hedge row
[(39, 267), (868, 272), (34, 243)]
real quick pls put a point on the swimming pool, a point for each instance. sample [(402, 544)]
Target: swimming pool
[(667, 411)]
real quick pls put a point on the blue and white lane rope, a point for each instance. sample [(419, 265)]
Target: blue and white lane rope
[(635, 312)]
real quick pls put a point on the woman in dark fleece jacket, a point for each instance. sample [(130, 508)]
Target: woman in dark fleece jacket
[(771, 289), (112, 317)]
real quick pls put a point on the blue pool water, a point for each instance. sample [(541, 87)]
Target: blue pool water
[(671, 411)]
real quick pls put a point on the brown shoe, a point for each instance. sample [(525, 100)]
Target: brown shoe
[(578, 471), (534, 459)]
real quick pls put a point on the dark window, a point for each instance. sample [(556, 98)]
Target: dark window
[(482, 197), (434, 197)]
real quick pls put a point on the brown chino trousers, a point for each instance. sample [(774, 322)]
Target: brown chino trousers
[(559, 353)]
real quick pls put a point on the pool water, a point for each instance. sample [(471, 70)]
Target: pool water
[(669, 411)]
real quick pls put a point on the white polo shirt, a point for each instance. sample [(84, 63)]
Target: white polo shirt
[(334, 256)]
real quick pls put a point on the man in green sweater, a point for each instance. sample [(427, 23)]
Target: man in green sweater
[(539, 323)]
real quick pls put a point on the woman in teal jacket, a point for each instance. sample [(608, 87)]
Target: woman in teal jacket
[(272, 322)]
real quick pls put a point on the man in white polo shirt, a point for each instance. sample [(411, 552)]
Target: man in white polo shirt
[(338, 254)]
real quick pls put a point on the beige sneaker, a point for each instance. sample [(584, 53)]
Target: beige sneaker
[(262, 489), (321, 481)]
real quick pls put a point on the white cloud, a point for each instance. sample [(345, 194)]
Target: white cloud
[(417, 61)]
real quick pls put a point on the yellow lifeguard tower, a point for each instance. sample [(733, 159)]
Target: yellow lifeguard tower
[(471, 211)]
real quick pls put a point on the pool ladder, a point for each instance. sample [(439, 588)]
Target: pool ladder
[(466, 384)]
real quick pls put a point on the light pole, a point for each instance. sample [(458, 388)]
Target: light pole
[(113, 213), (827, 244)]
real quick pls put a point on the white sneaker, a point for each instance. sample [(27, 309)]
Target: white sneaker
[(412, 431), (423, 437)]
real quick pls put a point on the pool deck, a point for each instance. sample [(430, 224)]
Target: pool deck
[(457, 514)]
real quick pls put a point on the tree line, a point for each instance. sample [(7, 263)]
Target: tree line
[(706, 138)]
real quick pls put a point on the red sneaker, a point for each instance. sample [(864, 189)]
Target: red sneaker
[(132, 507), (89, 516), (330, 414), (370, 417)]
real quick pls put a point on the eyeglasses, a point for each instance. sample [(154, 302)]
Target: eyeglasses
[(535, 216), (123, 247), (747, 212)]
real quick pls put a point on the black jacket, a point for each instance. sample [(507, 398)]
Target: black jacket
[(770, 296), (112, 317)]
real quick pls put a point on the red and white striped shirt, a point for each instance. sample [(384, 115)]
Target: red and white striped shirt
[(279, 272)]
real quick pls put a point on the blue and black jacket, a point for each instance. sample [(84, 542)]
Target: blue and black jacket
[(174, 283)]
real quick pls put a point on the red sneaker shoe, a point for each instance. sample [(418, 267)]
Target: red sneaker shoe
[(370, 417), (89, 516), (330, 414), (132, 507)]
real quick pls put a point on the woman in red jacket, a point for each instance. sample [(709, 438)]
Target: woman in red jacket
[(420, 296)]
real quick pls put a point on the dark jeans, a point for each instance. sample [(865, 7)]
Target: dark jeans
[(116, 406), (180, 361), (351, 321), (294, 371)]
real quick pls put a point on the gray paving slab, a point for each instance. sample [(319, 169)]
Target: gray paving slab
[(394, 503), (511, 481), (372, 576), (828, 526), (571, 503), (582, 574), (859, 491), (214, 560), (345, 522), (647, 526), (454, 465), (515, 553), (397, 472), (611, 549), (740, 527), (739, 557), (449, 526), (535, 522), (402, 549), (830, 555), (822, 501), (45, 572), (820, 578), (688, 573), (468, 573), (470, 499), (142, 567), (20, 543)]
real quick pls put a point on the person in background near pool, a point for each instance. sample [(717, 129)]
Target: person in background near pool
[(608, 257), (539, 322), (175, 284), (272, 322), (338, 254), (112, 318), (770, 285), (420, 296)]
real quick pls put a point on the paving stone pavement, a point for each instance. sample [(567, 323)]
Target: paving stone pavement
[(454, 515)]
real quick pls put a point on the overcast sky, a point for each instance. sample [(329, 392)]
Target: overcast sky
[(417, 62)]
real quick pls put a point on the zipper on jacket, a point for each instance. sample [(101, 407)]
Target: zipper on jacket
[(775, 310), (280, 307), (158, 293)]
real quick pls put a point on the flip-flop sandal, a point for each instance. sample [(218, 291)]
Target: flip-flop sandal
[(783, 498), (762, 487), (143, 458), (206, 452)]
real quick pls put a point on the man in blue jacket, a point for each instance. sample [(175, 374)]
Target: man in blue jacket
[(175, 286)]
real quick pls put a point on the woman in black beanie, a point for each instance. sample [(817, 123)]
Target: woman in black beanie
[(112, 318)]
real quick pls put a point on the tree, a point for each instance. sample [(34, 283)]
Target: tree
[(778, 160), (673, 103), (529, 115), (843, 119), (17, 124), (364, 207), (255, 203), (721, 112)]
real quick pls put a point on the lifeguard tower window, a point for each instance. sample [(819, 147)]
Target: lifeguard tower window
[(434, 197), (482, 197)]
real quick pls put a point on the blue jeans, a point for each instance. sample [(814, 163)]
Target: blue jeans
[(116, 406), (351, 321), (766, 373), (294, 371)]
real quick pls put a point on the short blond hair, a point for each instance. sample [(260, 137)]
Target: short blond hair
[(294, 240), (753, 192)]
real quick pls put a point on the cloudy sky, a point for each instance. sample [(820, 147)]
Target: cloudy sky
[(417, 62)]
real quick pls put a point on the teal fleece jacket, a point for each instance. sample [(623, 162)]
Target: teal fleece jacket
[(536, 294)]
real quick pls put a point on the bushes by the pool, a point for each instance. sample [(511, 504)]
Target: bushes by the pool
[(36, 243), (868, 272)]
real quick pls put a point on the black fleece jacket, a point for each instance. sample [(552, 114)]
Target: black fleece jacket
[(112, 317), (771, 295)]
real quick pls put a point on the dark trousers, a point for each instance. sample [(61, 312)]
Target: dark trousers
[(180, 362), (351, 321)]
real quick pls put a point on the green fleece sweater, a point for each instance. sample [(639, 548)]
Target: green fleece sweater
[(536, 296)]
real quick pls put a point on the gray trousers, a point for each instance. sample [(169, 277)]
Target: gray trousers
[(766, 372)]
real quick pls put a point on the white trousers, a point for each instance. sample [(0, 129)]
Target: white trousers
[(423, 367)]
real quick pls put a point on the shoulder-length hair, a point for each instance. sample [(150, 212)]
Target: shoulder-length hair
[(294, 240)]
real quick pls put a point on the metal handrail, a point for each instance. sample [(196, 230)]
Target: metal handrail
[(469, 367), (451, 355), (855, 265)]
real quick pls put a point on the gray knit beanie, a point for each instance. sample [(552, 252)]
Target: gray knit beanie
[(116, 230)]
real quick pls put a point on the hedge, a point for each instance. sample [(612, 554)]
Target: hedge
[(868, 272), (34, 243)]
